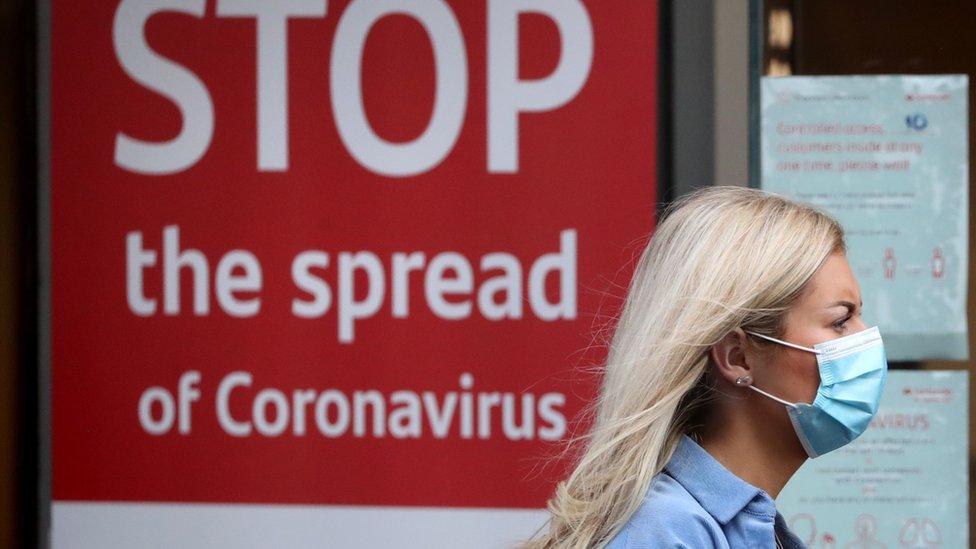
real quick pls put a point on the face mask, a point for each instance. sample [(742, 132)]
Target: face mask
[(853, 371)]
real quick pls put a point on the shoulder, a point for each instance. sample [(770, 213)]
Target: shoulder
[(669, 517)]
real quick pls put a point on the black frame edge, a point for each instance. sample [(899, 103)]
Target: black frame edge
[(665, 79)]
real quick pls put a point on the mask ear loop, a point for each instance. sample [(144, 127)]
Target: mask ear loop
[(787, 343), (777, 399)]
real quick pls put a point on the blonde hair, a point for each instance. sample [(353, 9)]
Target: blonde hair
[(722, 257)]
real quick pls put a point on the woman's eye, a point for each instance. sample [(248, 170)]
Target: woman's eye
[(841, 324)]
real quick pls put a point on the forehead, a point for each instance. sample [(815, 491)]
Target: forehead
[(833, 282)]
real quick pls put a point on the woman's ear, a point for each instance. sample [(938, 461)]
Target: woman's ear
[(729, 356)]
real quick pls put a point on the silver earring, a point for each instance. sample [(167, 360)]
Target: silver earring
[(742, 381)]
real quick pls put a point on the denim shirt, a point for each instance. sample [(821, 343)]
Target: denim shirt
[(696, 503)]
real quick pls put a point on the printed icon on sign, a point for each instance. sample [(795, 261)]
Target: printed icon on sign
[(931, 533), (889, 263), (805, 527), (938, 263), (865, 529), (916, 121), (920, 533)]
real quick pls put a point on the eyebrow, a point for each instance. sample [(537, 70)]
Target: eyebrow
[(848, 304)]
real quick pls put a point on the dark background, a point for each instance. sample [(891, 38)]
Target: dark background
[(19, 439)]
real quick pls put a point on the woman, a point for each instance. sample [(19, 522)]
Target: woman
[(740, 353)]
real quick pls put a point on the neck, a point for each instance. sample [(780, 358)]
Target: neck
[(755, 441)]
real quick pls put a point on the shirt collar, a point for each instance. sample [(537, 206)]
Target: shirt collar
[(717, 490)]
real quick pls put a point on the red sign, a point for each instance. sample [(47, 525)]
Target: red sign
[(337, 253)]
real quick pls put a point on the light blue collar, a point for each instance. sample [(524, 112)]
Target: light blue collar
[(722, 494)]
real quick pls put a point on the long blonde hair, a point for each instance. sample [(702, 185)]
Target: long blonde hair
[(721, 257)]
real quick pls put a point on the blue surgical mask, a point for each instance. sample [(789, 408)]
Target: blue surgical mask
[(853, 371)]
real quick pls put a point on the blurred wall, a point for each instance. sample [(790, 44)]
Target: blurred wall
[(708, 90), (731, 78)]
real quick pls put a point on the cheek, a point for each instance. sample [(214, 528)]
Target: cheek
[(803, 376)]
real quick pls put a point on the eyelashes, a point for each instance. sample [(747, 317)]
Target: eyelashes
[(841, 324)]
